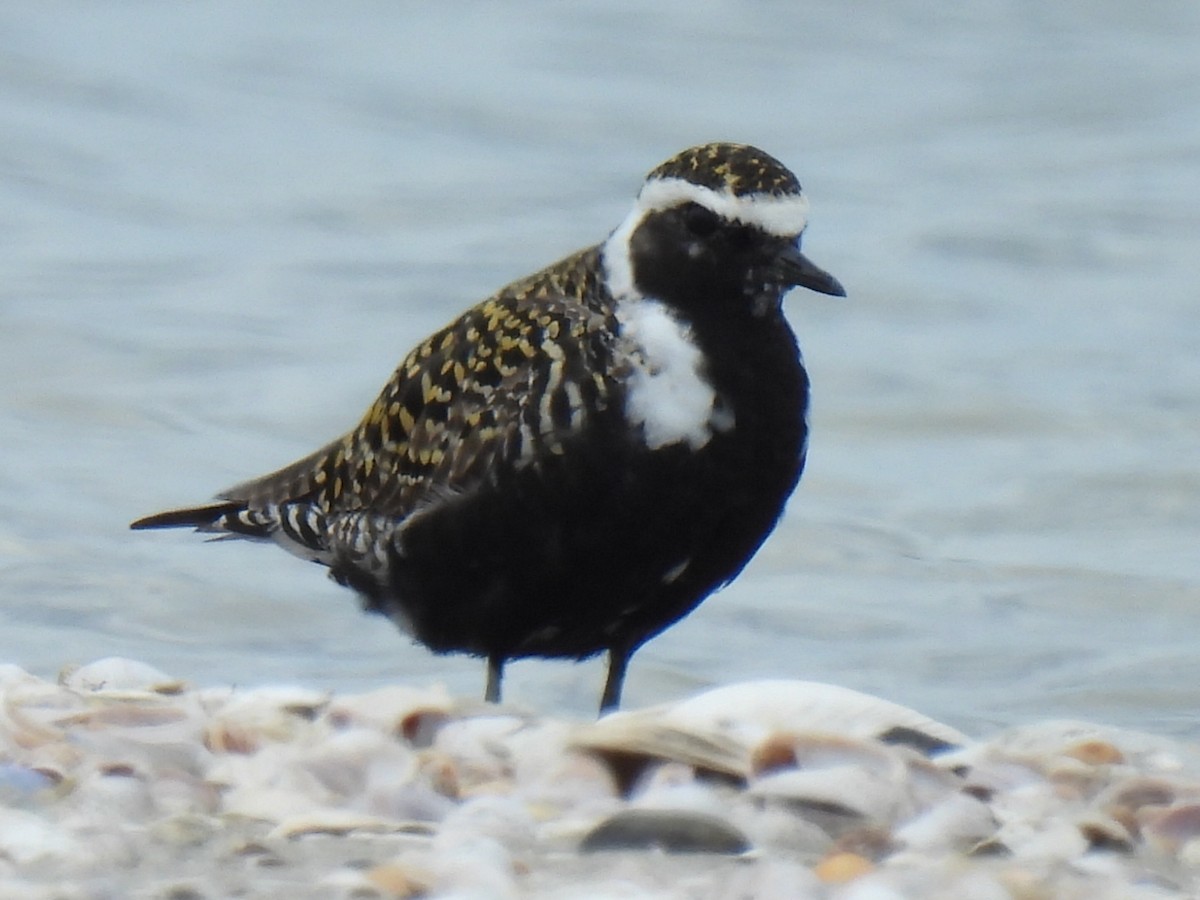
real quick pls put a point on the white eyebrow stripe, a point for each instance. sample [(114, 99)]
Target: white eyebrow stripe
[(783, 216)]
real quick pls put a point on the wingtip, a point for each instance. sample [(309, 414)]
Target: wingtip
[(191, 517)]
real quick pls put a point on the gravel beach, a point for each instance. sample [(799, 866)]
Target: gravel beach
[(120, 781)]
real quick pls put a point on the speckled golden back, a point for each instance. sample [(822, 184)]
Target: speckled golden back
[(507, 381)]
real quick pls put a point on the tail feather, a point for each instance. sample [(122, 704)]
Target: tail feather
[(203, 518), (297, 527)]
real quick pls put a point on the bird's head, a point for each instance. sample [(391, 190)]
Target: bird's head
[(718, 224)]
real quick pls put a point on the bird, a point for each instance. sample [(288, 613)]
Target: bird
[(577, 462)]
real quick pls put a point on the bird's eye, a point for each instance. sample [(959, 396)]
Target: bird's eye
[(700, 221)]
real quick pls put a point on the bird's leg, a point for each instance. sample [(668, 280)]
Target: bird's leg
[(495, 672), (618, 659)]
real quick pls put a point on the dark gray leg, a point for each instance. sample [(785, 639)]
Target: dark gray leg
[(495, 672), (618, 659)]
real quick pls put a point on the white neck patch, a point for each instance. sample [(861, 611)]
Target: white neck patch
[(615, 257), (781, 216), (667, 392)]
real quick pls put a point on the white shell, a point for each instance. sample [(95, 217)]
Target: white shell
[(115, 674), (754, 708), (720, 729)]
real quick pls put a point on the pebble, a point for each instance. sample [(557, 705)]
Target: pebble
[(119, 780), (672, 831)]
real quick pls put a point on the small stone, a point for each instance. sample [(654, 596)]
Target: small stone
[(1096, 753), (924, 743), (182, 892), (777, 752), (398, 881), (186, 829), (1107, 834), (672, 831), (1138, 792), (838, 868)]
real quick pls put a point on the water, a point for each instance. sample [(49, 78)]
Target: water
[(224, 223)]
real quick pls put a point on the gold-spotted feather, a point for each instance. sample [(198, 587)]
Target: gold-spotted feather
[(507, 382)]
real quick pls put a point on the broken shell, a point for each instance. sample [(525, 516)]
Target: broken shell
[(836, 798), (1169, 828), (116, 675), (337, 822), (629, 741), (412, 713), (955, 824)]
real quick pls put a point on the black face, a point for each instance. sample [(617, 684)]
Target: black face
[(692, 258)]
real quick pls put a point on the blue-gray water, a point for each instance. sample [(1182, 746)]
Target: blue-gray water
[(222, 224)]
